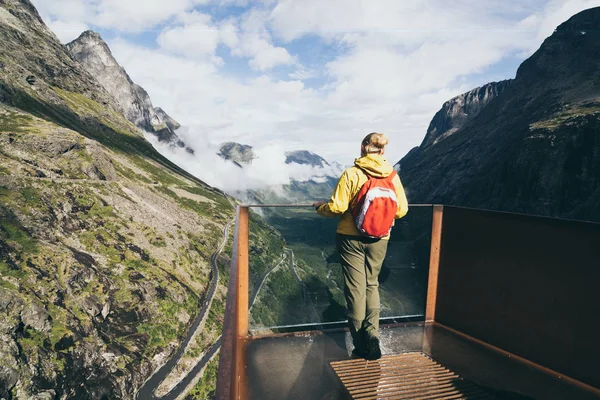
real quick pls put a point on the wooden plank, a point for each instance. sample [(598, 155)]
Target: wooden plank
[(434, 262), (400, 382), (361, 361), (423, 369), (416, 376), (381, 367), (396, 380)]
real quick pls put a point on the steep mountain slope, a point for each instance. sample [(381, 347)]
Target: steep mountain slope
[(455, 113), (134, 102), (103, 260), (105, 245), (535, 148), (171, 123)]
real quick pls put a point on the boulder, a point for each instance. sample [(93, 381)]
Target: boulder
[(36, 317)]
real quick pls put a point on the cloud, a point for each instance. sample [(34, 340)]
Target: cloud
[(268, 169), (253, 40), (139, 14), (383, 65), (197, 38), (67, 31), (124, 16)]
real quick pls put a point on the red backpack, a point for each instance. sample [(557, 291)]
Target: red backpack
[(375, 206)]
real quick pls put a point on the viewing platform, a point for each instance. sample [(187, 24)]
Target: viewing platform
[(475, 305)]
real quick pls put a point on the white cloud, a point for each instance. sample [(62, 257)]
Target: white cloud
[(196, 94), (229, 33), (267, 169), (198, 37), (253, 40), (302, 73), (66, 31), (247, 37), (129, 15), (391, 65), (138, 14), (263, 54)]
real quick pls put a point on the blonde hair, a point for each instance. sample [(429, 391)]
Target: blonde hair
[(375, 142)]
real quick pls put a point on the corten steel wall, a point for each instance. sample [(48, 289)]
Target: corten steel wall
[(528, 285)]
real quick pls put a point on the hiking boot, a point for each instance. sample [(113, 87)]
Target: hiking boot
[(359, 354), (374, 351)]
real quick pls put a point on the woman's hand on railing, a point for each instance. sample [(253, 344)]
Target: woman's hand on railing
[(318, 204)]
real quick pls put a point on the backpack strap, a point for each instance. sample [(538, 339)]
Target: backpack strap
[(389, 177)]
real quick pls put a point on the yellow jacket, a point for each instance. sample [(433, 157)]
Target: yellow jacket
[(349, 185)]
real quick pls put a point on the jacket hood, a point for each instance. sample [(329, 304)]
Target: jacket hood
[(375, 165)]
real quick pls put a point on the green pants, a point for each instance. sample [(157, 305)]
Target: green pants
[(361, 260)]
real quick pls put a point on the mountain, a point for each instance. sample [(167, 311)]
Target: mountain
[(170, 122), (95, 56), (455, 113), (105, 245), (304, 157), (316, 183), (534, 147), (239, 154)]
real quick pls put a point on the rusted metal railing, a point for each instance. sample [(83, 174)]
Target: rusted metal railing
[(235, 327)]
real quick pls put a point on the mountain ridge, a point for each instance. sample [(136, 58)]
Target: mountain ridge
[(456, 112), (94, 54), (105, 245), (533, 149)]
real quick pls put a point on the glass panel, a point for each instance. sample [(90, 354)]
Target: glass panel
[(296, 280)]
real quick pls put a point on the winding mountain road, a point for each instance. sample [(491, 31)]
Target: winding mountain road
[(315, 315), (146, 392), (262, 280)]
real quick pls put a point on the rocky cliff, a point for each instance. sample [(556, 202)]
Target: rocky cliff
[(535, 147), (134, 102), (455, 113), (171, 123), (105, 245)]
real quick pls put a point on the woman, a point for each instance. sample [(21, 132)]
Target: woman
[(362, 256)]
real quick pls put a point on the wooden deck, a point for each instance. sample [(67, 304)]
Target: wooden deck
[(405, 376)]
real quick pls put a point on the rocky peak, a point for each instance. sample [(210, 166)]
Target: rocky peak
[(237, 153), (92, 52), (305, 157), (534, 148), (171, 123), (567, 57), (26, 12), (456, 112), (584, 21), (37, 71)]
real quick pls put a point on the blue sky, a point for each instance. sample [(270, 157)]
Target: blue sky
[(289, 74)]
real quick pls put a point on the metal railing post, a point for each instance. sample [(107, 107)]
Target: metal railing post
[(434, 262), (241, 325)]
